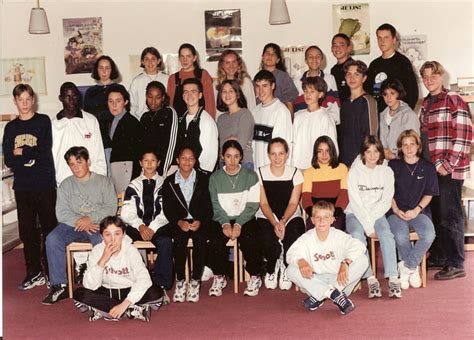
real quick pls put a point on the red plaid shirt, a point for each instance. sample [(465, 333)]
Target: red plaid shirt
[(446, 120)]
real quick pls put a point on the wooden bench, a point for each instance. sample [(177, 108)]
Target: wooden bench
[(413, 237)]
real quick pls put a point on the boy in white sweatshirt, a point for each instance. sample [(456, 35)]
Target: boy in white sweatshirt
[(117, 281), (326, 262)]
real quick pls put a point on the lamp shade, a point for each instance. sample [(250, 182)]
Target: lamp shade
[(279, 13), (38, 21)]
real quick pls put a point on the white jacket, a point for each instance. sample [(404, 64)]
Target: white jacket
[(138, 91), (325, 256), (307, 127), (370, 192), (124, 270), (77, 131)]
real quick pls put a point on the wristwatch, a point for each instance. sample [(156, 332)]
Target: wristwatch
[(346, 262)]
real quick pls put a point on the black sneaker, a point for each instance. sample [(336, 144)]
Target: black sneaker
[(342, 301), (32, 281), (80, 273), (311, 303), (57, 293), (449, 273)]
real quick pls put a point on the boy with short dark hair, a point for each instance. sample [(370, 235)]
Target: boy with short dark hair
[(341, 49), (272, 117), (359, 116), (390, 65), (27, 142), (326, 262)]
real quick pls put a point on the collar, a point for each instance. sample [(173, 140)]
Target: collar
[(120, 115), (271, 103), (143, 177), (225, 170), (305, 74), (178, 178), (78, 114)]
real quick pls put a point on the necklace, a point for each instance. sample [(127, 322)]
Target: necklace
[(410, 171), (233, 182), (393, 111)]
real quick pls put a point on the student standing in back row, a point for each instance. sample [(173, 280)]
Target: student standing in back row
[(151, 63), (341, 48), (390, 65), (27, 142), (190, 68)]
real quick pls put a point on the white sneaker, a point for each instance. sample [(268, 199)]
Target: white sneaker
[(415, 279), (207, 274), (404, 273), (253, 286), (180, 291), (271, 280), (284, 283), (374, 288), (192, 295), (218, 285)]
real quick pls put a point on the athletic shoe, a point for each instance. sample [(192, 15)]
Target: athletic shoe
[(180, 291), (404, 273), (192, 295), (207, 274), (253, 286), (56, 294), (271, 280), (342, 301), (139, 312), (374, 288), (394, 288), (284, 282), (415, 279), (80, 270), (218, 285), (32, 281), (312, 304), (94, 314), (81, 306), (449, 273)]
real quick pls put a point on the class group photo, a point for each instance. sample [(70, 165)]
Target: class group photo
[(264, 169)]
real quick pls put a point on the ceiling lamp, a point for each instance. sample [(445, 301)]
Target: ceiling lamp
[(279, 13), (38, 20)]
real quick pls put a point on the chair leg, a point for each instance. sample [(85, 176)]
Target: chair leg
[(236, 268), (423, 272), (372, 256), (70, 278), (241, 266)]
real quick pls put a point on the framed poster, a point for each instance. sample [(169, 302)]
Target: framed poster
[(223, 31), (294, 60), (14, 71), (82, 44), (354, 21)]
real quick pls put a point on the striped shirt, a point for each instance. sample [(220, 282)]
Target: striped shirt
[(446, 120)]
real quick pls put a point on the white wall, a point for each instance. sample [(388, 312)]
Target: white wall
[(129, 26)]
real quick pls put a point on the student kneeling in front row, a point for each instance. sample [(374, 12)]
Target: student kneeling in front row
[(326, 262)]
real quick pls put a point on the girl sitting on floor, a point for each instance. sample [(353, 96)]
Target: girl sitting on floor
[(117, 281)]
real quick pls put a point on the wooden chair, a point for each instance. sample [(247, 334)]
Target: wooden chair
[(413, 237), (86, 246), (238, 264)]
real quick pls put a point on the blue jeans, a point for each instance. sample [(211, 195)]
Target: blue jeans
[(56, 243), (423, 226), (386, 239)]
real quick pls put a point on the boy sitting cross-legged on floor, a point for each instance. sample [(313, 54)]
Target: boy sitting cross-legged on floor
[(326, 262)]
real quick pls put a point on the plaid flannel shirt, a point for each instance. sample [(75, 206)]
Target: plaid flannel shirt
[(446, 120)]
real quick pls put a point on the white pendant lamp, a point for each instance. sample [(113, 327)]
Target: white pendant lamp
[(38, 20), (279, 13)]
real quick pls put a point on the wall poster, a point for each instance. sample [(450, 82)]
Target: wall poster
[(354, 21), (223, 31), (14, 71), (82, 44)]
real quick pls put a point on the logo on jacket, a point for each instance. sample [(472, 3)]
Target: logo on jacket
[(322, 257)]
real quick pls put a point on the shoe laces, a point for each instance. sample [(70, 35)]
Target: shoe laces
[(253, 283), (341, 300), (374, 286), (217, 283)]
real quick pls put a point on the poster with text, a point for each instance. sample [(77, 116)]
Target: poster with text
[(223, 31), (82, 44), (354, 21), (14, 71), (294, 60), (414, 47)]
